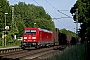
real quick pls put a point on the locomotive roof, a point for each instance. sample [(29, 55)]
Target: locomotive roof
[(45, 30)]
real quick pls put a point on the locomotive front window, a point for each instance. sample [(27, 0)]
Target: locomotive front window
[(33, 31), (30, 31)]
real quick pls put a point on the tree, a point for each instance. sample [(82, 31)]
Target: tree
[(28, 14), (4, 8), (64, 31), (83, 17)]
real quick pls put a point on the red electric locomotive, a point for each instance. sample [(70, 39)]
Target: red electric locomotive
[(37, 37)]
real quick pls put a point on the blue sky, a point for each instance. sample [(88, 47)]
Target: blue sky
[(51, 7)]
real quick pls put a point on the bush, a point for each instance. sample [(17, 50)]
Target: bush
[(18, 42), (71, 53)]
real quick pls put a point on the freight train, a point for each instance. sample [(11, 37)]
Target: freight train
[(37, 37)]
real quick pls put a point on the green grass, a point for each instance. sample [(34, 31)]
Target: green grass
[(2, 46), (6, 46), (16, 43), (71, 53)]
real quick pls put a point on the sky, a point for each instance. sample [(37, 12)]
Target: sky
[(51, 7)]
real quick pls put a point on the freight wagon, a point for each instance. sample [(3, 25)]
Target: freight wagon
[(65, 39), (55, 36), (37, 37)]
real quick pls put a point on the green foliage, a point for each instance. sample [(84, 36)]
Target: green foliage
[(44, 23), (18, 43), (71, 53), (4, 8), (28, 14), (64, 31), (0, 42), (83, 17)]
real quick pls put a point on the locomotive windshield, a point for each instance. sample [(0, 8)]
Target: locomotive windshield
[(30, 32)]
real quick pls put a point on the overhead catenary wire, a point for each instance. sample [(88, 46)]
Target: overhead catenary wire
[(40, 5), (58, 10), (52, 6), (36, 2), (68, 26), (54, 9)]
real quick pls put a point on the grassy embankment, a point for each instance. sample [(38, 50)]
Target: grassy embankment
[(71, 53)]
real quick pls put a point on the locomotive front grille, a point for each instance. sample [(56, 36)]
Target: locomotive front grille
[(29, 44)]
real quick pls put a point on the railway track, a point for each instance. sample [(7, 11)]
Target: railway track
[(10, 49), (29, 54)]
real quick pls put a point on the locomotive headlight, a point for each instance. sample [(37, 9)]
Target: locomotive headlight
[(33, 37), (25, 37)]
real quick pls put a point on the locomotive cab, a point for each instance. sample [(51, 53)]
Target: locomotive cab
[(29, 38), (36, 37)]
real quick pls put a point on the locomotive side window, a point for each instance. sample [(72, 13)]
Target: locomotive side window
[(30, 32)]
